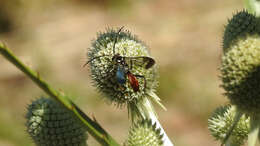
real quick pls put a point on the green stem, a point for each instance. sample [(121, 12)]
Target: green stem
[(144, 110), (147, 106), (254, 130), (92, 126)]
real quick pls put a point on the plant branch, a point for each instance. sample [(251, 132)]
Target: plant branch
[(92, 126)]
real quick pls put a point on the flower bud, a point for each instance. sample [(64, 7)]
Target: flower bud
[(222, 120), (144, 133), (49, 123)]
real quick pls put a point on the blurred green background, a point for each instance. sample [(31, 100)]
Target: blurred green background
[(52, 37)]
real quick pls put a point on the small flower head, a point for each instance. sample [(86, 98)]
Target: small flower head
[(49, 123), (144, 133), (119, 80), (222, 119)]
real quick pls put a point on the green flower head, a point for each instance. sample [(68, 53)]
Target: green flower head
[(144, 133), (222, 119), (240, 66), (126, 80), (241, 24), (240, 73), (49, 123)]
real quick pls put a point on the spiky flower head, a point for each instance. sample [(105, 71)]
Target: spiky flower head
[(49, 123), (144, 133), (241, 24), (104, 70), (240, 68), (222, 120)]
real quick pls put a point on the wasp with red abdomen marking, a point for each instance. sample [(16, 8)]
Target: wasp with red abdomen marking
[(124, 65)]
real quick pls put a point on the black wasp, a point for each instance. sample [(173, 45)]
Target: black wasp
[(124, 65)]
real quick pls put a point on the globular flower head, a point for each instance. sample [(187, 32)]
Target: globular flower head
[(240, 67), (49, 123), (222, 119), (241, 24), (104, 70), (144, 133)]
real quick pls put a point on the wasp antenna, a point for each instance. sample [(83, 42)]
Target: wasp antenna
[(89, 61), (85, 64), (121, 28), (115, 41)]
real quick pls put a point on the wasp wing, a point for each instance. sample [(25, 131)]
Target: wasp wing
[(143, 61)]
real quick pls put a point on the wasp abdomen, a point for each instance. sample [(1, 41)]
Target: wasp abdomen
[(133, 82)]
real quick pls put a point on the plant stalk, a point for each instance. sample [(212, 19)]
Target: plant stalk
[(92, 126), (254, 130), (150, 114)]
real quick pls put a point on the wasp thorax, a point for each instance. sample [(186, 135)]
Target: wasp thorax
[(117, 62)]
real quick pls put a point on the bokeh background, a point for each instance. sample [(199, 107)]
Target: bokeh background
[(52, 37)]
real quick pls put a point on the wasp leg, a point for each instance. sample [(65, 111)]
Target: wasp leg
[(131, 65)]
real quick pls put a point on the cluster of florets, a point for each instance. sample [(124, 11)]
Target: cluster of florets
[(240, 68), (50, 123), (103, 69)]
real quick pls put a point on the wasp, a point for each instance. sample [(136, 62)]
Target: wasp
[(123, 66)]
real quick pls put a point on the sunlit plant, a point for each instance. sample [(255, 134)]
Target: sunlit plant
[(124, 72), (240, 75)]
